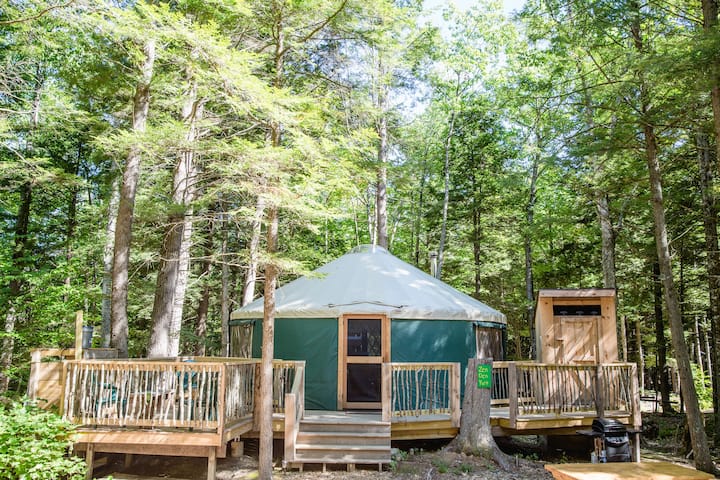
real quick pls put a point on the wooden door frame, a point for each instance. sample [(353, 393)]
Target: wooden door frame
[(342, 357)]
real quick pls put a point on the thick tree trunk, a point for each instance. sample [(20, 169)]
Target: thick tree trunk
[(660, 342), (175, 253), (703, 459), (204, 302), (108, 261), (126, 207), (253, 252), (446, 195), (475, 435), (268, 350)]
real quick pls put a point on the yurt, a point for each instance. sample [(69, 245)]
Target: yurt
[(359, 311)]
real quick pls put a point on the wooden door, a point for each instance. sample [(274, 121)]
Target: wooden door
[(363, 346), (579, 339)]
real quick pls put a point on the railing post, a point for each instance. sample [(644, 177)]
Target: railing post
[(636, 413), (455, 395), (290, 436), (600, 390), (513, 394), (221, 394), (386, 392)]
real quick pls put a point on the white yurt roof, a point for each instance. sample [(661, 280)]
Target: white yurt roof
[(370, 280)]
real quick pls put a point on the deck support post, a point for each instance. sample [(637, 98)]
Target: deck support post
[(600, 390), (212, 463), (89, 457), (386, 392), (512, 394)]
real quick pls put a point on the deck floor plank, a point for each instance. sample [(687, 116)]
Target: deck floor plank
[(625, 471)]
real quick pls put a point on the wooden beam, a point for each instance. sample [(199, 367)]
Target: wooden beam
[(212, 464), (78, 334), (386, 392), (513, 394), (89, 454), (577, 292)]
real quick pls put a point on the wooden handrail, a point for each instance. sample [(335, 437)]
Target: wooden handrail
[(554, 388), (294, 411), (415, 389), (150, 393)]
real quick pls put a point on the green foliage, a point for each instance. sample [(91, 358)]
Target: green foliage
[(35, 445), (703, 386)]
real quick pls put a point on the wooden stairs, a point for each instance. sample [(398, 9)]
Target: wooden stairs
[(342, 438)]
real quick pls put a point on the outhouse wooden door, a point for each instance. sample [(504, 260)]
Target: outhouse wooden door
[(579, 337), (363, 346)]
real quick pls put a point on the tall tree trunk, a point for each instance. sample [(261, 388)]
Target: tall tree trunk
[(204, 302), (253, 252), (268, 350), (529, 216), (446, 194), (126, 207), (640, 353), (660, 342), (22, 224), (175, 253), (108, 260), (224, 290), (695, 420), (703, 459), (709, 207)]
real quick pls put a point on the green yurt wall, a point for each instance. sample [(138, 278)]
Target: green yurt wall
[(314, 340)]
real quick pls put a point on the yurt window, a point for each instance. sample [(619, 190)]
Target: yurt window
[(489, 343)]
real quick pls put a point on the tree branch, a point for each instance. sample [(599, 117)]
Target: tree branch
[(37, 15)]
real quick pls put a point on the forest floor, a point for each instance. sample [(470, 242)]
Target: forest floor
[(662, 441)]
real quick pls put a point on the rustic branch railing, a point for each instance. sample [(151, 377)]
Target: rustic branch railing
[(294, 411), (537, 388), (284, 373), (415, 389), (158, 393)]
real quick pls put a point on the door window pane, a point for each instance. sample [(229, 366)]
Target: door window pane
[(363, 382), (364, 337)]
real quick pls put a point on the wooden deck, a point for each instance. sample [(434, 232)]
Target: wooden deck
[(195, 406), (625, 471)]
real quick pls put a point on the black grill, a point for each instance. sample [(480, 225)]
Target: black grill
[(616, 441)]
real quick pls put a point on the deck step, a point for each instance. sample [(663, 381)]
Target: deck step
[(338, 439)]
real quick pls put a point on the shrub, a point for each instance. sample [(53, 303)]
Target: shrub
[(35, 445)]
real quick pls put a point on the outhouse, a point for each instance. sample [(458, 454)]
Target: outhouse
[(576, 326)]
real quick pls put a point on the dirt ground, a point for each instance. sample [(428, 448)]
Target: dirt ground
[(418, 465), (662, 440)]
